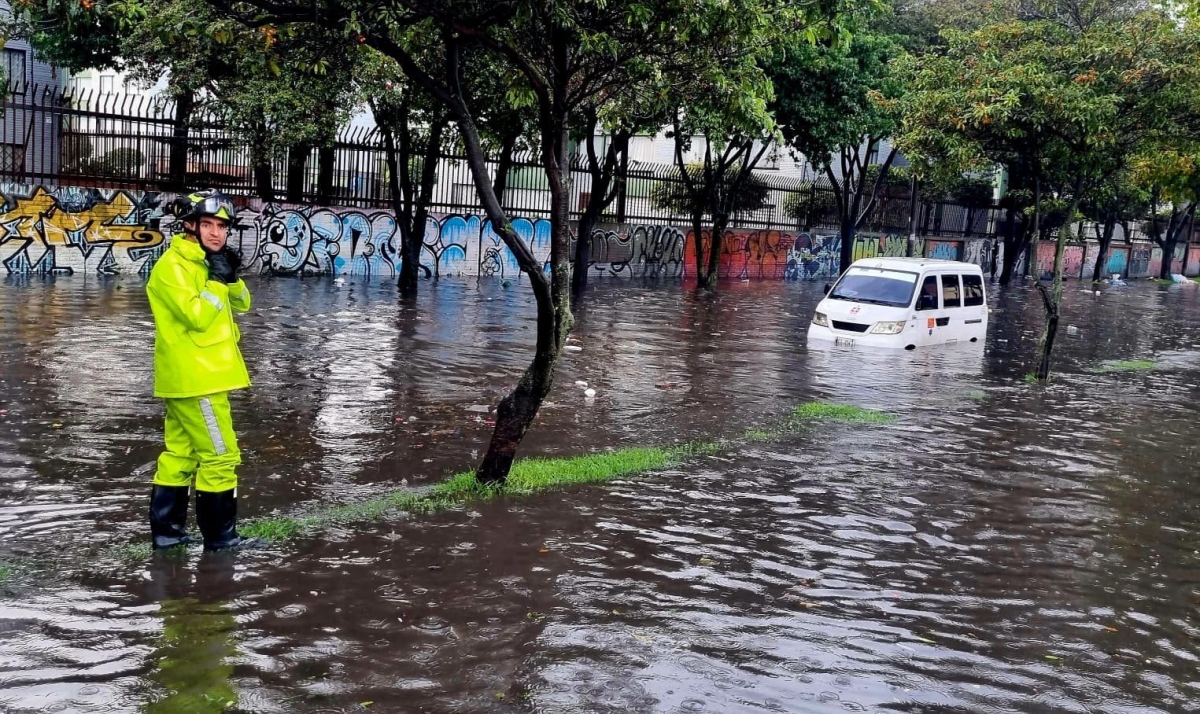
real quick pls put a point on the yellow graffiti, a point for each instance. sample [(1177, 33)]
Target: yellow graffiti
[(98, 239)]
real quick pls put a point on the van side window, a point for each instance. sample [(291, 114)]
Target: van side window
[(927, 299), (950, 293), (972, 290)]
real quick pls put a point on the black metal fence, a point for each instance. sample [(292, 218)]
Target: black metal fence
[(52, 137)]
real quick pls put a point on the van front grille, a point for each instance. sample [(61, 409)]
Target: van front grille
[(849, 326)]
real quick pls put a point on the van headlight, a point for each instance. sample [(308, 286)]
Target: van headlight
[(888, 328), (820, 319)]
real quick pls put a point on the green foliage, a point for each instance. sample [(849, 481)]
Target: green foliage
[(816, 204), (831, 97), (748, 195), (1041, 98)]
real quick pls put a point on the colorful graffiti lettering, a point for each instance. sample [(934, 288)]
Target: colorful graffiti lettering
[(323, 241), (77, 232), (745, 254), (944, 249), (1072, 260), (642, 251), (94, 231)]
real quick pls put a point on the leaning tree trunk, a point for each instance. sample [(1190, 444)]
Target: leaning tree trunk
[(397, 154), (1053, 301), (516, 411)]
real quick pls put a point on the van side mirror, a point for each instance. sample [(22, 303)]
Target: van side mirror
[(828, 287)]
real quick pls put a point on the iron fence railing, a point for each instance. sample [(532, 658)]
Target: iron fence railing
[(54, 137)]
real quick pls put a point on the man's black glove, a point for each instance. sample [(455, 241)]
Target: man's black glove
[(223, 265)]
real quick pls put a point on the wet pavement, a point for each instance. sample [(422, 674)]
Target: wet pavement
[(998, 548)]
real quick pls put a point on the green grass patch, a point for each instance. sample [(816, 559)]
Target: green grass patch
[(529, 476), (7, 573), (1030, 378), (977, 396), (1125, 365), (844, 413)]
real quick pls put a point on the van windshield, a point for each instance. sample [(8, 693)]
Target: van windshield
[(876, 286)]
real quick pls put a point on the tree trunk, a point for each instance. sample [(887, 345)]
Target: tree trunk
[(516, 411), (1031, 269), (600, 175), (185, 104), (715, 245), (397, 152), (849, 234), (504, 164), (1105, 241), (297, 162), (326, 158), (429, 166), (913, 209), (698, 245), (264, 181), (1054, 300), (1014, 241)]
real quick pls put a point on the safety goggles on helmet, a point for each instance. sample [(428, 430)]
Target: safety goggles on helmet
[(215, 205), (207, 203)]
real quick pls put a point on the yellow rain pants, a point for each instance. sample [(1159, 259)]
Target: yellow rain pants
[(200, 444)]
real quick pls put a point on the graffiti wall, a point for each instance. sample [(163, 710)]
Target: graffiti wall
[(104, 232), (78, 232), (1073, 260)]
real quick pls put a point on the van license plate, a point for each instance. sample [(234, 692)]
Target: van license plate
[(843, 341)]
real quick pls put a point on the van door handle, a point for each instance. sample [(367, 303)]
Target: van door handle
[(943, 321)]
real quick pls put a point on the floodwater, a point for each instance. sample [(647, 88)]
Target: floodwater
[(999, 548)]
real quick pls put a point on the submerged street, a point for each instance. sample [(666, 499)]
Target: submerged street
[(999, 547)]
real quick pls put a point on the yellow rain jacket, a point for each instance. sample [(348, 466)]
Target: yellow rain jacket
[(196, 339)]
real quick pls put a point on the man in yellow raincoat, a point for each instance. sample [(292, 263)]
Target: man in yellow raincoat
[(194, 292)]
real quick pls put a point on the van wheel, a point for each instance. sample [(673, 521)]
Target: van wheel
[(974, 339), (911, 347)]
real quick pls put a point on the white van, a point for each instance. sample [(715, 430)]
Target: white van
[(903, 303)]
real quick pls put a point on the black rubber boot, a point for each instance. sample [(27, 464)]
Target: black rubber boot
[(168, 516), (216, 513)]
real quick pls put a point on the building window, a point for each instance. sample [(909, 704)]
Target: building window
[(14, 70), (106, 82), (12, 159)]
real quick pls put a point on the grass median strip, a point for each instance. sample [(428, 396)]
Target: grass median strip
[(528, 476), (812, 413), (1124, 365), (535, 475)]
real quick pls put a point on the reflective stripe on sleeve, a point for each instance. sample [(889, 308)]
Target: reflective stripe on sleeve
[(212, 299)]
